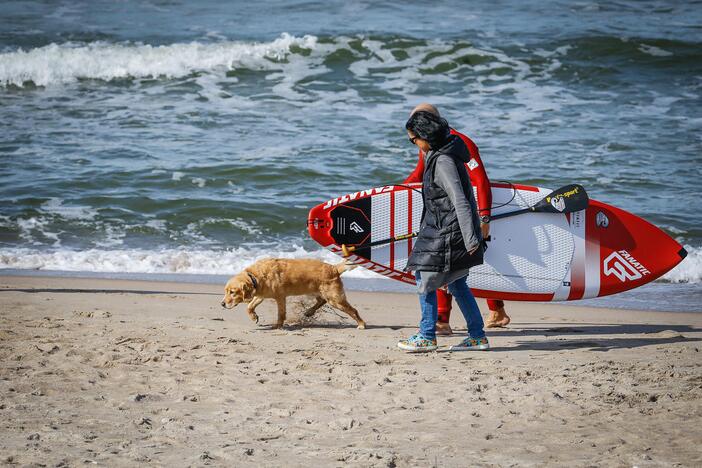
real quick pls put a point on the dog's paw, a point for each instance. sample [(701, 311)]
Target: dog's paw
[(253, 317), (361, 326)]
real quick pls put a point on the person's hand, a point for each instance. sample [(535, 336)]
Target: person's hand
[(485, 230)]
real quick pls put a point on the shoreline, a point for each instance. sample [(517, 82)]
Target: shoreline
[(655, 296), (119, 372)]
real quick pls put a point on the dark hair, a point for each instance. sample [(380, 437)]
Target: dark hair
[(429, 127)]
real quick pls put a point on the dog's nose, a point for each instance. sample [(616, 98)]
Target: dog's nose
[(224, 304)]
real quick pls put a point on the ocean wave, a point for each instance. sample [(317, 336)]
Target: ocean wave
[(654, 51), (226, 262), (631, 51), (64, 63), (398, 60), (55, 206), (166, 261), (347, 73), (689, 270), (57, 225)]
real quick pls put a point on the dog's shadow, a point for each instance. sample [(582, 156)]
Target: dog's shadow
[(328, 326)]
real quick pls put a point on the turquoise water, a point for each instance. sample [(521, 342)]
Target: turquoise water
[(193, 137)]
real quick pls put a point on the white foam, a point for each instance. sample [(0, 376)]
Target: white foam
[(187, 261), (194, 230), (534, 92), (654, 51), (55, 206), (35, 224), (689, 270), (113, 237), (65, 63), (249, 227), (563, 50), (157, 224), (216, 261)]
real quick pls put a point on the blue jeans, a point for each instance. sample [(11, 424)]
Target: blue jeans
[(466, 302)]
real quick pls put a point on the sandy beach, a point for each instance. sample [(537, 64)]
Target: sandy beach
[(120, 373)]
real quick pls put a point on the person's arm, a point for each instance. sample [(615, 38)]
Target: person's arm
[(479, 177), (418, 172), (446, 176)]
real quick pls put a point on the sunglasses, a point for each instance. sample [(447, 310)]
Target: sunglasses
[(413, 140)]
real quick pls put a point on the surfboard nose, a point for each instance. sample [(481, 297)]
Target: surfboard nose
[(632, 250), (683, 253)]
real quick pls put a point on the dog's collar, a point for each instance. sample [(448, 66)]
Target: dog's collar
[(253, 279)]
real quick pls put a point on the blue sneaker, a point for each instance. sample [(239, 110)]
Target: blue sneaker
[(417, 344), (470, 344)]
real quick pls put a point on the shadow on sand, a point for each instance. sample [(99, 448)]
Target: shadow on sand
[(559, 337), (103, 291)]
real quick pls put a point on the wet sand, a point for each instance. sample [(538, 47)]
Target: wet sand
[(119, 373)]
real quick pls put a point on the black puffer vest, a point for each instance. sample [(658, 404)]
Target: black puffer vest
[(440, 246)]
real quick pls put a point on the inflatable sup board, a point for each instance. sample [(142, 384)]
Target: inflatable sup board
[(598, 251)]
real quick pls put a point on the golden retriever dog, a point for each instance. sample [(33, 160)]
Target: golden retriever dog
[(278, 278)]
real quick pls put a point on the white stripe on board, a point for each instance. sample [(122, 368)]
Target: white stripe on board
[(401, 228), (592, 267), (380, 228), (417, 206)]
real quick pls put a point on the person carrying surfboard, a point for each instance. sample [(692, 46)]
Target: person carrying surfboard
[(476, 170), (449, 241)]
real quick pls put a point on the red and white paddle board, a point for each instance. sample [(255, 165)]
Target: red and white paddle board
[(598, 251)]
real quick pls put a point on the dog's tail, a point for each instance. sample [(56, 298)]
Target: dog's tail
[(343, 267)]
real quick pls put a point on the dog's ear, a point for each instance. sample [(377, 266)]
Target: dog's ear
[(247, 288)]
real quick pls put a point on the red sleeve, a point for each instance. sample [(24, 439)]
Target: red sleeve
[(478, 176), (418, 172)]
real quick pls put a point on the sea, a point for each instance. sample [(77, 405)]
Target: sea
[(183, 140)]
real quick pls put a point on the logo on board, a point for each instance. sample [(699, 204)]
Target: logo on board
[(602, 220), (355, 195), (624, 266), (355, 227), (558, 203)]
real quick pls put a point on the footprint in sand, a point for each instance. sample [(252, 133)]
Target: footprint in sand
[(97, 313)]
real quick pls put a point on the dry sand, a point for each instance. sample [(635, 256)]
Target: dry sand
[(120, 373)]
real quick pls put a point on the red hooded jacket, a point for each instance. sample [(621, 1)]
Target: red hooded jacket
[(476, 171)]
